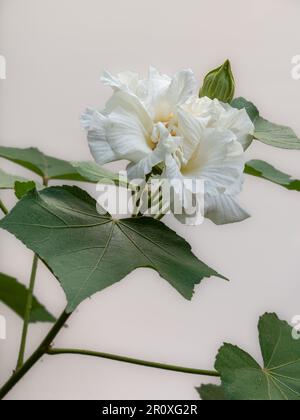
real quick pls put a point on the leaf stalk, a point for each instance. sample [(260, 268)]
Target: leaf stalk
[(3, 208), (192, 371)]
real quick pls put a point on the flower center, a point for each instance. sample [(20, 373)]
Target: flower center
[(170, 125)]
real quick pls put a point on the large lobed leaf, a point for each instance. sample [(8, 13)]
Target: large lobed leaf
[(244, 379), (211, 392), (14, 295), (89, 252)]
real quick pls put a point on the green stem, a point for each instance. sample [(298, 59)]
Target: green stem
[(27, 313), (160, 216), (3, 208), (108, 356), (46, 181), (40, 352), (29, 301)]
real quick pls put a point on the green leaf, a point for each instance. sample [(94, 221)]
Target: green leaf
[(96, 173), (266, 131), (89, 252), (279, 379), (266, 171), (14, 295), (211, 393), (45, 166), (276, 135), (7, 181), (22, 188), (242, 103)]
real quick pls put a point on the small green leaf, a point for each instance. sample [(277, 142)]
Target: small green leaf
[(96, 173), (276, 135), (45, 166), (88, 251), (266, 131), (7, 181), (242, 103), (219, 84), (14, 295), (211, 393), (279, 379), (22, 188), (263, 170)]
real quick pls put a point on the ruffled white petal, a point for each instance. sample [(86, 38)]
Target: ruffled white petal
[(187, 195), (166, 146), (127, 81), (206, 109), (130, 104), (216, 114), (223, 209), (154, 95), (127, 135), (182, 87), (165, 94), (159, 93), (191, 130), (95, 123), (239, 123), (219, 160)]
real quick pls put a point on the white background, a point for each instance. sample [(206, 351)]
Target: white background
[(56, 50)]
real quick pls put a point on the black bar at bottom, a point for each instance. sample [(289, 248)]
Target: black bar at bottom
[(130, 409)]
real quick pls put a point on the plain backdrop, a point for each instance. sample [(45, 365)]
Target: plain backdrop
[(56, 51)]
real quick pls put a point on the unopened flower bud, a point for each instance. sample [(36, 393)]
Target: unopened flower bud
[(219, 84)]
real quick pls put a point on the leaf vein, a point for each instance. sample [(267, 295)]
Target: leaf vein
[(97, 264)]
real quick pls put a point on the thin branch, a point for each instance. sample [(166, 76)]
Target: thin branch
[(27, 313), (53, 352), (29, 301), (37, 355), (3, 208)]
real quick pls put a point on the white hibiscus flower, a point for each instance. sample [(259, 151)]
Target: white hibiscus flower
[(160, 121)]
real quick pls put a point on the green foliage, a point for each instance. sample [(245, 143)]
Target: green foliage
[(45, 166), (244, 379), (7, 181), (14, 295), (211, 393), (22, 188), (89, 252), (96, 173), (266, 171), (266, 131), (242, 103), (276, 135)]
